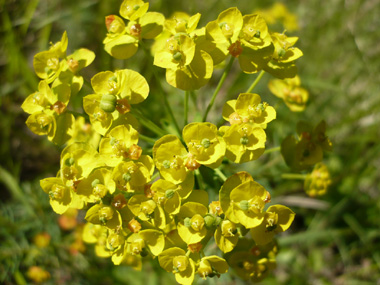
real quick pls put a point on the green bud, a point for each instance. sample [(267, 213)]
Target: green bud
[(166, 164), (260, 106), (244, 140), (177, 56), (113, 141), (113, 78), (70, 161), (187, 222), (127, 177), (108, 103), (206, 143), (169, 193), (95, 182), (244, 205), (209, 221), (218, 220)]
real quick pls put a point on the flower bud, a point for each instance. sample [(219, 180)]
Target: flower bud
[(127, 177), (209, 221), (187, 222), (95, 182), (108, 103), (244, 140), (70, 161), (244, 205), (177, 56), (206, 143), (169, 193)]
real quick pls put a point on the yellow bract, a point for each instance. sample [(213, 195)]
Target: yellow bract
[(277, 219), (290, 90)]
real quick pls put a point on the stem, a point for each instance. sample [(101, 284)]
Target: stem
[(147, 139), (193, 98), (154, 176), (148, 123), (222, 79), (171, 114), (186, 107), (293, 176), (221, 175), (273, 149), (255, 82), (198, 175)]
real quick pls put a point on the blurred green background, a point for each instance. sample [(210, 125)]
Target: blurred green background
[(334, 239)]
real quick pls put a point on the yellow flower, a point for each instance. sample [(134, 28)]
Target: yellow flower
[(294, 96), (277, 219), (318, 181), (175, 260)]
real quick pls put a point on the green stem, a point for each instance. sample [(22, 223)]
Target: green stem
[(255, 82), (148, 123), (198, 175), (147, 139), (221, 81), (154, 176), (293, 176), (218, 172), (273, 149), (193, 98), (186, 107), (171, 114)]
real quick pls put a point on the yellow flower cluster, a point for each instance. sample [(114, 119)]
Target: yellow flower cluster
[(145, 202)]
